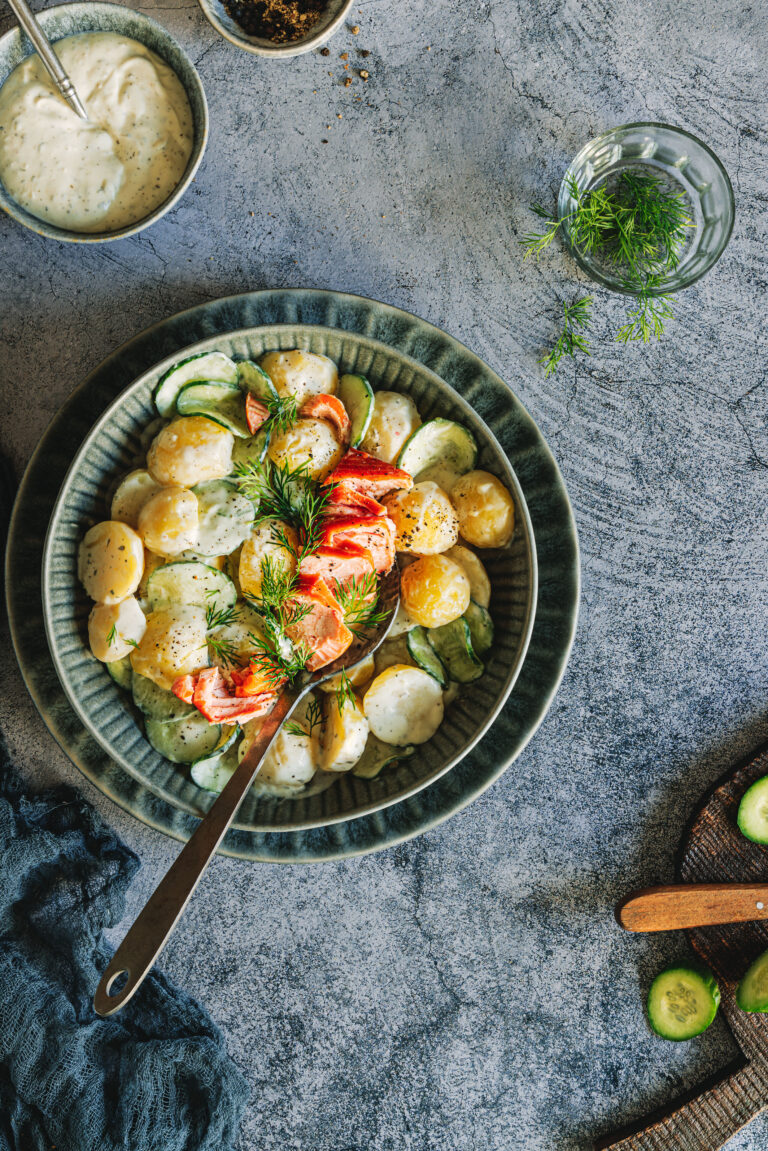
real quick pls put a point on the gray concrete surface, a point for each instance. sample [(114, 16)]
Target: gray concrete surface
[(470, 990)]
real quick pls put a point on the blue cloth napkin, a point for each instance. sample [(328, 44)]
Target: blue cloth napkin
[(155, 1077)]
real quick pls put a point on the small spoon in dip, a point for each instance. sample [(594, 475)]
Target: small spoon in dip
[(26, 18), (152, 928)]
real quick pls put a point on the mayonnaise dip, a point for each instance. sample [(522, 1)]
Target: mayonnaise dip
[(112, 170)]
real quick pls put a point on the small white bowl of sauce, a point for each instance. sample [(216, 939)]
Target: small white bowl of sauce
[(113, 176)]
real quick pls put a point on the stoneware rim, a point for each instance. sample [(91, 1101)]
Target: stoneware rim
[(266, 49), (134, 24), (554, 526), (55, 561)]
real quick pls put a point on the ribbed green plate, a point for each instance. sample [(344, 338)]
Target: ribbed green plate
[(160, 799)]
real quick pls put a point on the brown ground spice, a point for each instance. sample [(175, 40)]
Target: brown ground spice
[(280, 21)]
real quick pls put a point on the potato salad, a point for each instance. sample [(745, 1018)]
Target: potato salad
[(247, 550)]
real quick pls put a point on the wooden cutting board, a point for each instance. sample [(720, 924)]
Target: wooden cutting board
[(714, 850)]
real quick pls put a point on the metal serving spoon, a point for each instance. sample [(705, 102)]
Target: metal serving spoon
[(26, 18), (137, 953)]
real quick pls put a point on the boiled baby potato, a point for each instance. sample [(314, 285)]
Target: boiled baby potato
[(292, 759), (358, 675), (479, 584), (110, 561), (132, 493), (435, 590), (301, 374), (485, 509), (114, 630), (344, 734), (404, 705), (168, 522), (174, 644), (394, 418), (190, 451), (312, 443), (424, 518), (262, 544)]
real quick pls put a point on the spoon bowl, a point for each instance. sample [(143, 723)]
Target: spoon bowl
[(136, 955)]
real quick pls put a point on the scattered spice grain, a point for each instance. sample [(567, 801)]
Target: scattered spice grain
[(344, 56), (348, 81), (363, 74), (355, 29), (325, 51), (281, 21), (365, 51)]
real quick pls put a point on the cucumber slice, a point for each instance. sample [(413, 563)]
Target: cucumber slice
[(203, 366), (439, 448), (225, 517), (222, 403), (214, 771), (453, 644), (183, 740), (121, 672), (157, 703), (425, 656), (752, 992), (377, 756), (251, 451), (254, 379), (192, 583), (356, 394), (480, 627), (753, 812), (682, 1002)]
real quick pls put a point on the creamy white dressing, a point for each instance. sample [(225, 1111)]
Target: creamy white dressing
[(112, 170)]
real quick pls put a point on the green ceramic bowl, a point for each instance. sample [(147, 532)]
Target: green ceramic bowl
[(70, 19), (115, 445)]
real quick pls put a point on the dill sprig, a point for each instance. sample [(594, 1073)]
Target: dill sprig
[(112, 635), (576, 319), (222, 647), (283, 412), (345, 692), (290, 496), (275, 657), (647, 318), (314, 718), (358, 600)]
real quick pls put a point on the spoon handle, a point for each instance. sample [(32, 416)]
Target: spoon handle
[(26, 18), (145, 940), (692, 905)]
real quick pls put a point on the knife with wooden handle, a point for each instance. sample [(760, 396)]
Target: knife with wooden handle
[(692, 905)]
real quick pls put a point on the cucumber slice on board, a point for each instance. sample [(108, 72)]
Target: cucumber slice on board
[(248, 453), (453, 644), (121, 672), (439, 450), (356, 394), (423, 654), (204, 366), (254, 379), (480, 627), (225, 517), (183, 740), (682, 1002), (222, 403), (377, 756), (157, 703), (753, 812), (192, 583), (214, 771), (752, 992)]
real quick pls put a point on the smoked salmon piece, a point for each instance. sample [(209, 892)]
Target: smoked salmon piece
[(213, 694), (346, 500), (375, 533), (372, 477), (256, 413), (322, 631), (339, 564), (252, 680), (325, 407)]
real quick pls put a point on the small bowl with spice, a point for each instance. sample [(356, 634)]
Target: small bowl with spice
[(277, 28), (647, 209)]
